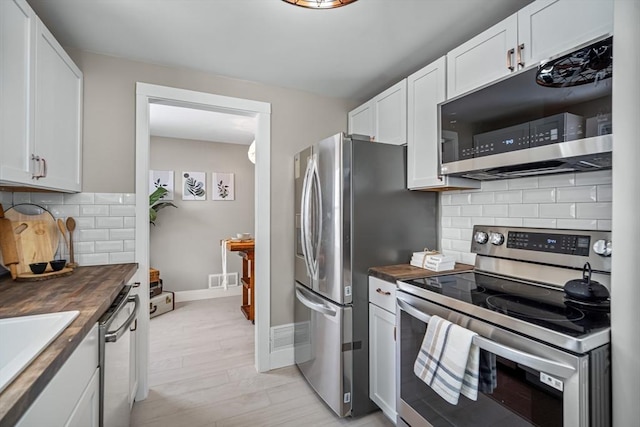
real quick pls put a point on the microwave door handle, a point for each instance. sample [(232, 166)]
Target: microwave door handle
[(113, 336), (535, 362), (319, 307), (304, 210)]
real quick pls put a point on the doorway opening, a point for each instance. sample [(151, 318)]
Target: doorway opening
[(147, 94)]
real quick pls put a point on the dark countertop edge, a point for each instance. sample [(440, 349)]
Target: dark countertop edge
[(393, 273), (48, 363)]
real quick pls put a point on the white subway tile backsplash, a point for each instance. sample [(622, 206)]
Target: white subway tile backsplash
[(129, 222), (64, 211), (85, 222), (523, 211), (461, 245), (584, 193), (557, 180), (108, 199), (539, 223), (21, 198), (594, 210), (542, 195), (499, 185), (495, 210), (84, 247), (509, 222), (122, 257), (461, 222), (93, 259), (79, 199), (110, 246), (578, 224), (445, 244), (122, 234), (557, 210), (129, 245), (44, 199), (92, 235), (451, 233), (604, 193), (468, 258), (94, 210), (451, 211), (129, 198), (483, 198), (483, 220), (122, 210), (471, 210), (109, 222), (509, 196), (445, 221), (445, 199), (522, 183), (591, 178), (604, 224), (460, 199)]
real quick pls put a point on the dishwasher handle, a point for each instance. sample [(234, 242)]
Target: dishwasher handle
[(113, 336)]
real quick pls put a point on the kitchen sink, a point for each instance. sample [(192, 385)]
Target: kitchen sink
[(23, 338)]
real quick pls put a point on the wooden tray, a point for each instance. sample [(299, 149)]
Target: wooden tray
[(30, 277)]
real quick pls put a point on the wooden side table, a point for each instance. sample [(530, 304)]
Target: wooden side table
[(246, 251)]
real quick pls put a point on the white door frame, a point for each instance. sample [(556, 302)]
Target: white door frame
[(147, 94)]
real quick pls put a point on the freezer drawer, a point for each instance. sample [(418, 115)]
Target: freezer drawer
[(322, 346)]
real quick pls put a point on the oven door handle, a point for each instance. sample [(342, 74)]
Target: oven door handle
[(535, 362)]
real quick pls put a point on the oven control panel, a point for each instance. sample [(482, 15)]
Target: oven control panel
[(570, 248)]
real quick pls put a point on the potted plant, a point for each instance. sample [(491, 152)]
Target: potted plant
[(155, 203)]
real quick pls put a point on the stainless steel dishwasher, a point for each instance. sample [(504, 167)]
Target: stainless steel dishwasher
[(115, 351)]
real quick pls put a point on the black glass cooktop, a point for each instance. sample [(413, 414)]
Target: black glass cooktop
[(537, 305)]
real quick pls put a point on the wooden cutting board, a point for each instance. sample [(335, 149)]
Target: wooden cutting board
[(38, 242)]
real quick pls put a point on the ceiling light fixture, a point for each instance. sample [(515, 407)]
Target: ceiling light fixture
[(320, 4), (252, 152)]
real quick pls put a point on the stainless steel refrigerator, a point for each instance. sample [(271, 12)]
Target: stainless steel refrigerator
[(352, 212)]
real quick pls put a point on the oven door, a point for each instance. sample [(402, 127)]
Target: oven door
[(535, 385)]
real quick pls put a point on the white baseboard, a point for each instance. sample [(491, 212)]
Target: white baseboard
[(199, 294), (281, 358)]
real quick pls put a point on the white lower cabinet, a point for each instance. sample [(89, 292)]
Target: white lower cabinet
[(382, 346), (72, 397)]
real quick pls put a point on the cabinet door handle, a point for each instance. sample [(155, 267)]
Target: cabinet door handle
[(519, 54), (381, 292), (44, 167), (394, 333), (37, 167), (136, 285), (510, 53)]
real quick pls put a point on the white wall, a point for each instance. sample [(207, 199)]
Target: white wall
[(574, 200), (185, 243)]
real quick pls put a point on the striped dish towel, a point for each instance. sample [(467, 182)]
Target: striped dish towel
[(448, 360)]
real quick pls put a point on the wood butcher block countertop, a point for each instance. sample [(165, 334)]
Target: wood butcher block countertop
[(392, 273), (90, 290)]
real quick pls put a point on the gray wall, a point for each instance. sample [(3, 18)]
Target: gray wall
[(297, 120), (185, 242)]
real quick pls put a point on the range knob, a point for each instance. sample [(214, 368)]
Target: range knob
[(481, 237), (497, 239), (602, 247)]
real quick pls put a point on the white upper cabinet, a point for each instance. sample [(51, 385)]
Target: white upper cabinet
[(540, 30), (485, 58), (426, 88), (550, 27), (41, 121), (361, 120), (384, 118)]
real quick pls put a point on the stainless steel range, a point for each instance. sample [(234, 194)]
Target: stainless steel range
[(547, 354)]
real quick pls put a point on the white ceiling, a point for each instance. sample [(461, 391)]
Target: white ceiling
[(352, 52)]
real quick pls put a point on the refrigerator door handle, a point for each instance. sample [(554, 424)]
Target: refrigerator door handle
[(319, 307), (304, 211), (316, 237)]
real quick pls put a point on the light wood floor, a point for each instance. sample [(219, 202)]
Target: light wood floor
[(202, 373)]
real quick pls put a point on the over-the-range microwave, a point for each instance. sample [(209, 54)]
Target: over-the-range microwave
[(549, 118)]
